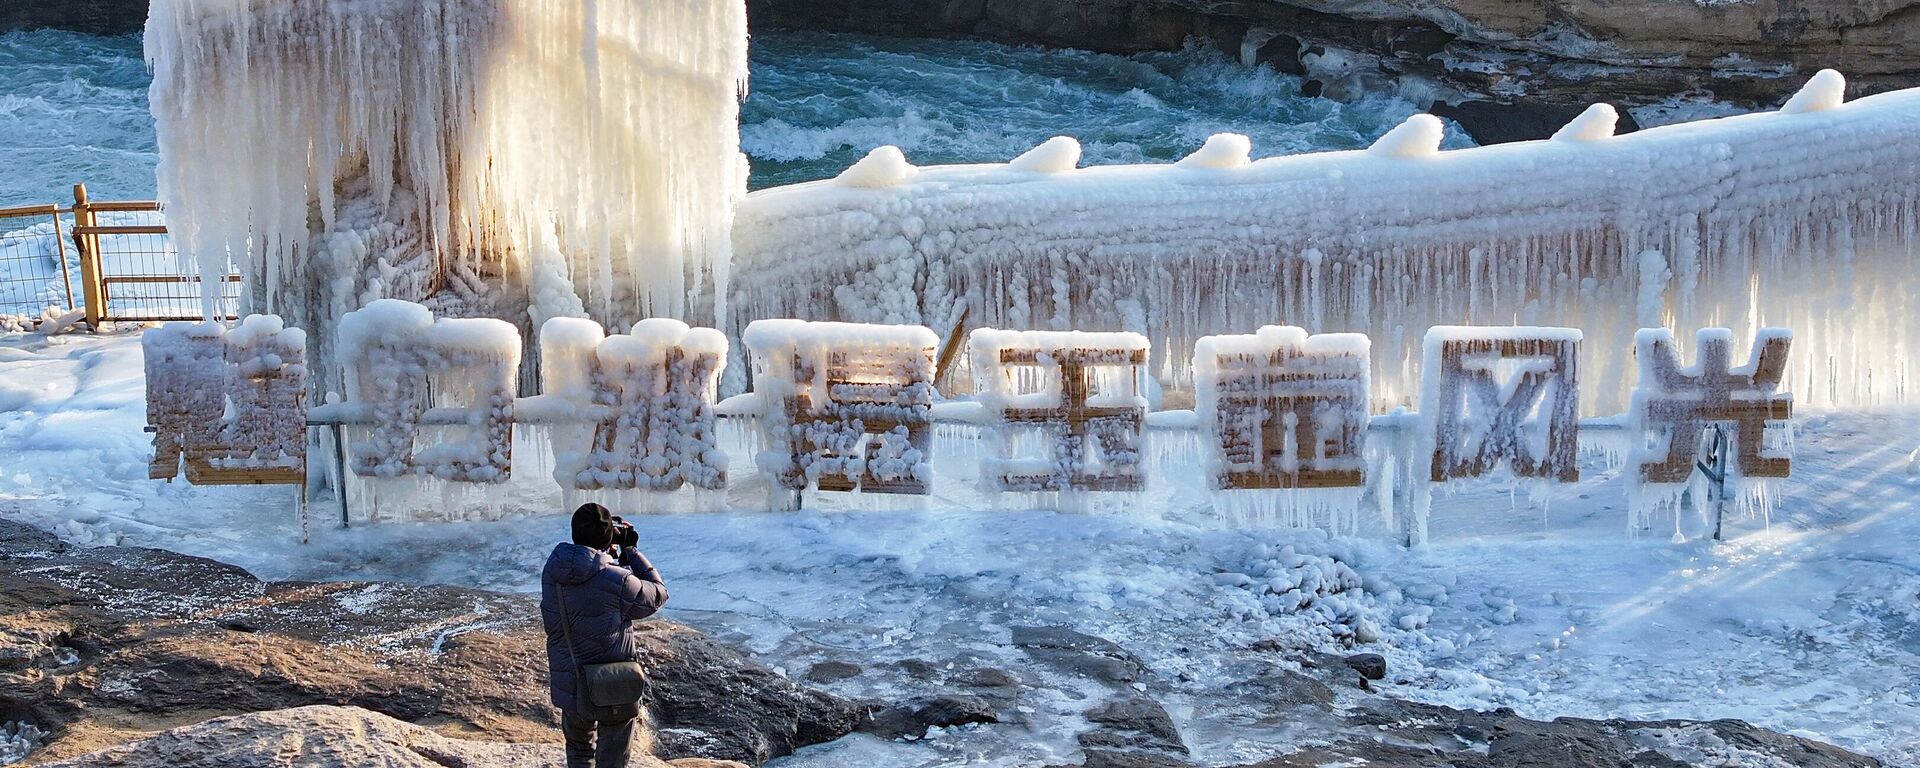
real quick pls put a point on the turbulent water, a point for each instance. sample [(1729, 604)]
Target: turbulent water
[(73, 108)]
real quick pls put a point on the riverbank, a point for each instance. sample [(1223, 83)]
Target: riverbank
[(131, 657)]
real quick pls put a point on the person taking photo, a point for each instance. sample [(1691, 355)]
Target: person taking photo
[(592, 590)]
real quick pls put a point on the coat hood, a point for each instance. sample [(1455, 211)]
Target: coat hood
[(572, 564)]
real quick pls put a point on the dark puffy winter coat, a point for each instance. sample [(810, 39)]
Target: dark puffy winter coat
[(604, 598)]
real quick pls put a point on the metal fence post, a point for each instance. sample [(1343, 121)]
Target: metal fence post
[(88, 245)]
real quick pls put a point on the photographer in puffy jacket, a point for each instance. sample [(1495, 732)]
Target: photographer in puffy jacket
[(603, 584)]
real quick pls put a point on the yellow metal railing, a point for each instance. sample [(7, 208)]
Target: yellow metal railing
[(129, 270)]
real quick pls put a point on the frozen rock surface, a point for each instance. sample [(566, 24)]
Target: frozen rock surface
[(154, 639)]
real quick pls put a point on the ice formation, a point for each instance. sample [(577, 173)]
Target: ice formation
[(435, 396), (1803, 220), (1222, 150), (1598, 122), (632, 410), (220, 399), (1419, 136), (1066, 409), (514, 159), (844, 407), (885, 166), (1060, 153), (1674, 406)]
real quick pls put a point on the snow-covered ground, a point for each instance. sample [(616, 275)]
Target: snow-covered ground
[(1810, 626)]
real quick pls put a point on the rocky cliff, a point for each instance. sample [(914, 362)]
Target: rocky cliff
[(1504, 68)]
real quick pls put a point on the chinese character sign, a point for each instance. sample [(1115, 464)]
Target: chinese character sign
[(1067, 408), (437, 395), (845, 406), (1673, 405), (1493, 397), (1283, 409), (228, 406), (648, 395)]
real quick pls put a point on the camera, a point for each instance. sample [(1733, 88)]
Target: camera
[(624, 536)]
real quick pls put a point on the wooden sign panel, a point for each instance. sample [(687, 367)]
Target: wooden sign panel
[(1674, 405), (846, 407), (1284, 409), (1078, 393), (1496, 397), (227, 407)]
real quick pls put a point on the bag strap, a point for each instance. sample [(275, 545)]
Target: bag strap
[(560, 596)]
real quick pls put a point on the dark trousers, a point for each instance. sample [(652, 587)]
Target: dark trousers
[(616, 738)]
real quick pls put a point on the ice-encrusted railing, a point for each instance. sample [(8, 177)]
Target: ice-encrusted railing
[(1802, 218)]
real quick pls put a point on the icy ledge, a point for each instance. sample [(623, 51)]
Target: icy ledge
[(1803, 218)]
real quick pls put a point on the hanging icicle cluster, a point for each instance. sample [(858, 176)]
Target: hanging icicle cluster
[(516, 159)]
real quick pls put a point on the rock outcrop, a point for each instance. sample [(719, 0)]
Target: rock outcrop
[(1505, 69), (141, 658), (102, 645)]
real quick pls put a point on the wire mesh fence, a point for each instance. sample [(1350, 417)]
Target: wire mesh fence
[(37, 262), (142, 277), (112, 258)]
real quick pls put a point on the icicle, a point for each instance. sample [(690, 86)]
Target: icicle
[(483, 158)]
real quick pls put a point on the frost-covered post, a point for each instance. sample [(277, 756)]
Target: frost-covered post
[(404, 364), (1496, 397), (1674, 405), (1080, 393), (1284, 409), (648, 397), (845, 406)]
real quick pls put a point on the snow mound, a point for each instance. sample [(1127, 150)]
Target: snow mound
[(1055, 155), (1419, 136), (1596, 123), (1826, 90), (885, 166), (1222, 150)]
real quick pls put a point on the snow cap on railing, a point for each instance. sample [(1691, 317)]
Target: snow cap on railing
[(1825, 90), (1419, 136), (1060, 153), (1598, 122), (1222, 150), (885, 166)]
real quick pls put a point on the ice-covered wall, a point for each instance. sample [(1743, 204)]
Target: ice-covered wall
[(1803, 218), (515, 159)]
